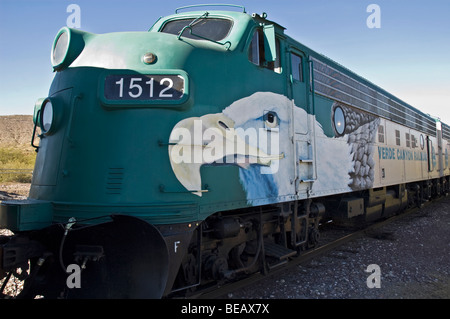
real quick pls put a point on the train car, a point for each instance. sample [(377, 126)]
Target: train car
[(210, 147)]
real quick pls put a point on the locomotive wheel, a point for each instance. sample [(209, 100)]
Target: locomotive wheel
[(244, 258)]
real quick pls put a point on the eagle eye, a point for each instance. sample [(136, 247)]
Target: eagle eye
[(270, 120), (224, 125)]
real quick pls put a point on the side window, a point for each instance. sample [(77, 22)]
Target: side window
[(397, 137), (408, 143), (256, 49), (297, 67), (277, 63), (381, 134), (413, 141), (256, 52)]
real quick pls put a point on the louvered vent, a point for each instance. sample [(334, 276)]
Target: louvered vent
[(114, 181)]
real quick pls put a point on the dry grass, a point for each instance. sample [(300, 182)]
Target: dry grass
[(16, 152), (13, 159)]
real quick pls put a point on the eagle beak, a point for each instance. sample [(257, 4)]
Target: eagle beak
[(211, 138)]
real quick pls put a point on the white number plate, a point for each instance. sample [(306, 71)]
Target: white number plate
[(144, 87)]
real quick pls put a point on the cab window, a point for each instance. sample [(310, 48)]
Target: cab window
[(256, 52), (209, 28)]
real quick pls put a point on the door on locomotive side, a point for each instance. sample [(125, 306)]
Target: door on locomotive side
[(380, 159), (303, 123), (395, 153), (431, 156), (415, 164)]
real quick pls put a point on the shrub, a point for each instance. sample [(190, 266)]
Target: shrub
[(16, 159)]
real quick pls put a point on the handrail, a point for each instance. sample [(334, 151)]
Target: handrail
[(34, 131), (313, 91), (211, 5)]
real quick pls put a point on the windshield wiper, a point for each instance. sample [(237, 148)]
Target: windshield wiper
[(227, 44), (189, 26)]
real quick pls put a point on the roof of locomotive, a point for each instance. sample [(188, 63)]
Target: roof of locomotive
[(420, 121), (242, 21)]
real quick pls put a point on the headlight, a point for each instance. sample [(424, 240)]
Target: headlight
[(60, 47), (67, 45), (47, 116)]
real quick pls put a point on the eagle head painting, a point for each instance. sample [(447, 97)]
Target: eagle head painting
[(258, 134)]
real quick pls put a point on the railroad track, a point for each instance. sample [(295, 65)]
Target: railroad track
[(15, 171), (220, 292)]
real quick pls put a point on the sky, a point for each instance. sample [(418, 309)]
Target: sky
[(407, 55)]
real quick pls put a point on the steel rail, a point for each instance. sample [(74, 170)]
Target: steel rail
[(15, 171)]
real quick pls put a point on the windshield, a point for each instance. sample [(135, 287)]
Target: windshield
[(209, 28)]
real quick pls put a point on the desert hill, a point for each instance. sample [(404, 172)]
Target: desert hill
[(16, 131)]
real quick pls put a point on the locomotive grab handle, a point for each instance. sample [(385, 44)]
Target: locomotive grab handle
[(211, 5), (34, 131), (162, 189)]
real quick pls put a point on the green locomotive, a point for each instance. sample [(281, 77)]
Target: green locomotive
[(205, 149)]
